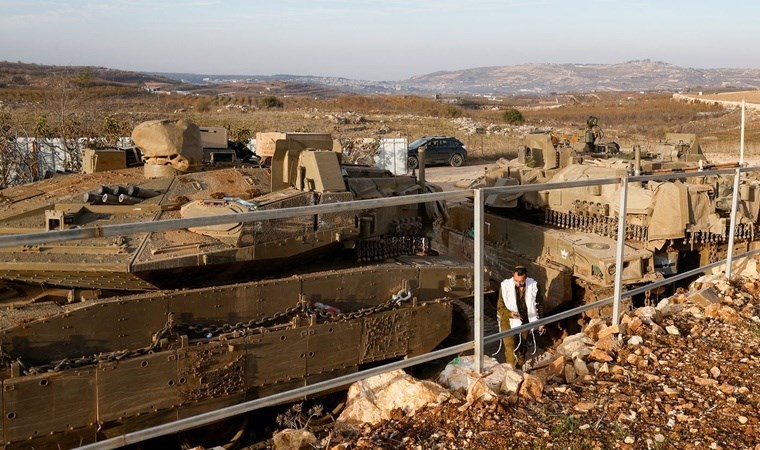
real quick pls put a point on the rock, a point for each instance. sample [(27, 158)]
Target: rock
[(584, 406), (670, 392), (512, 380), (673, 330), (604, 368), (705, 381), (634, 325), (556, 368), (712, 311), (580, 367), (608, 344), (635, 340), (290, 439), (742, 420), (648, 314), (593, 328), (479, 391), (462, 375), (670, 309), (532, 387), (570, 374), (715, 372), (372, 400), (599, 355), (748, 311), (617, 370), (696, 312), (728, 314), (704, 297), (575, 346), (629, 440), (659, 438), (611, 330)]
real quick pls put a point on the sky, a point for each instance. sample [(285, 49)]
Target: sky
[(375, 39)]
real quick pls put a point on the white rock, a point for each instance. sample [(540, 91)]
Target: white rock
[(635, 340), (648, 314), (743, 420), (629, 440), (512, 381), (580, 367), (659, 438), (372, 400), (460, 374), (672, 329), (577, 345), (715, 372)]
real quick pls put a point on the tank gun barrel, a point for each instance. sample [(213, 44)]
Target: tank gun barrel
[(691, 169)]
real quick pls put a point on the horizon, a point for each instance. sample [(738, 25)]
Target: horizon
[(372, 40)]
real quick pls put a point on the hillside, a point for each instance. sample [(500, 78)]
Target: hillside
[(18, 73), (645, 75)]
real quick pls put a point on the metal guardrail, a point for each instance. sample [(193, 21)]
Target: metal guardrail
[(478, 342)]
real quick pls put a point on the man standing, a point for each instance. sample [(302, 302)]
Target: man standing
[(517, 303)]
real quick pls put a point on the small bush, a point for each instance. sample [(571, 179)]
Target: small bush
[(513, 116), (271, 102)]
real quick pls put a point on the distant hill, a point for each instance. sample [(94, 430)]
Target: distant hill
[(643, 75), (14, 73)]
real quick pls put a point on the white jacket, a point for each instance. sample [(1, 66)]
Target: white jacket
[(510, 299)]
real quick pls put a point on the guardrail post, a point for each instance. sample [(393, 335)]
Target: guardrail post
[(732, 226), (479, 273), (620, 251)]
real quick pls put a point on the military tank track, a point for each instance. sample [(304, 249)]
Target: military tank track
[(220, 332)]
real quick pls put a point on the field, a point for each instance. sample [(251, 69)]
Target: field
[(84, 104)]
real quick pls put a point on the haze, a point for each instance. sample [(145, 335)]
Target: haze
[(374, 40)]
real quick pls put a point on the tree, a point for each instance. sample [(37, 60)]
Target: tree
[(513, 116), (243, 134)]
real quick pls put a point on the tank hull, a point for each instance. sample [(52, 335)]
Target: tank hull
[(100, 368)]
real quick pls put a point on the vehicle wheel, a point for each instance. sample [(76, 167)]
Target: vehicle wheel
[(412, 162), (456, 160)]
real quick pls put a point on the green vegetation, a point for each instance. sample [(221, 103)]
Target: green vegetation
[(271, 102), (513, 116)]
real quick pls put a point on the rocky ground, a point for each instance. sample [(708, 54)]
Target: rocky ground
[(682, 374)]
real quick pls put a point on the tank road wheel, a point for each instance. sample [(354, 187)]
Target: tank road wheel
[(456, 160), (412, 162), (228, 434)]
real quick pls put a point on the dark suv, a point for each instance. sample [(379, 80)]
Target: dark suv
[(438, 150)]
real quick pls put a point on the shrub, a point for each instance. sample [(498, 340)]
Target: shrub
[(271, 102), (513, 116)]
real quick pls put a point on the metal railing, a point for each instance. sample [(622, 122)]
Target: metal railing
[(479, 340)]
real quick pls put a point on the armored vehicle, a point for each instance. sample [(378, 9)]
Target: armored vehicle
[(94, 343), (171, 186), (567, 236)]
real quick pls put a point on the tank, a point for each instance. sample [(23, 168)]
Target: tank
[(567, 237), (171, 185), (103, 336)]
